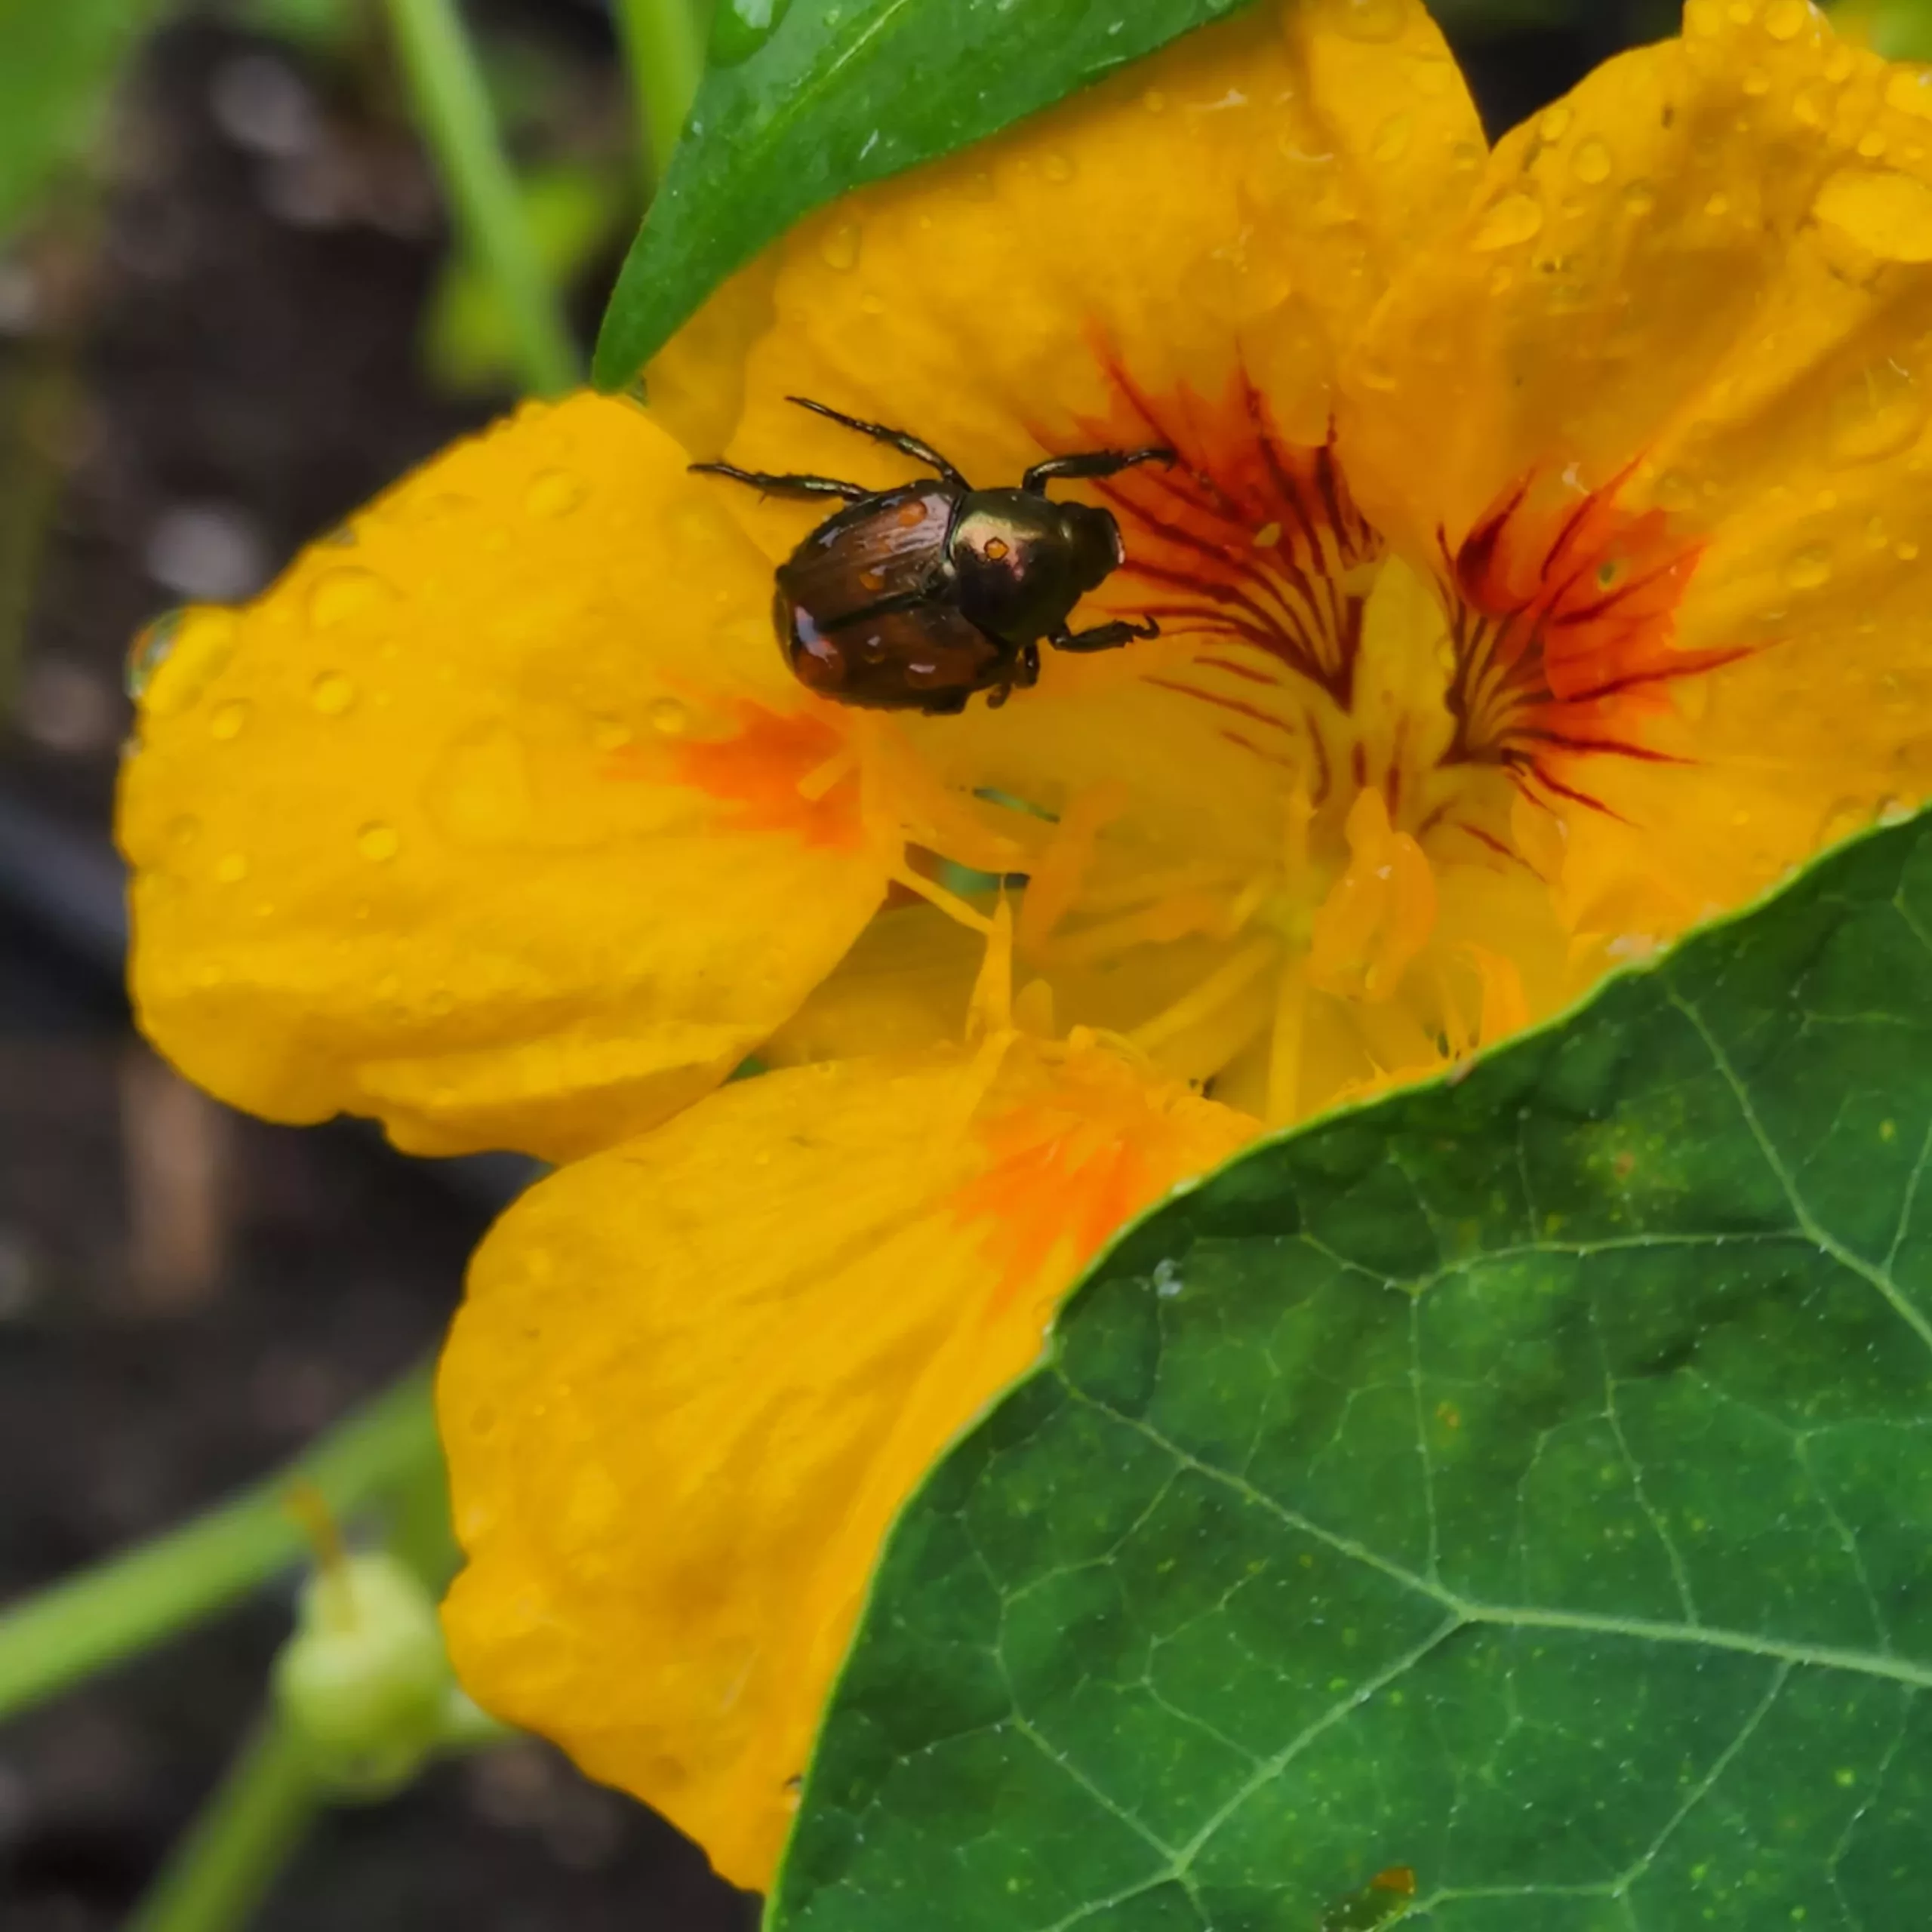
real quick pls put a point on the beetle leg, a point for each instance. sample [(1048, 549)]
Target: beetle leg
[(1028, 673), (1093, 463), (879, 433), (785, 486), (1104, 637)]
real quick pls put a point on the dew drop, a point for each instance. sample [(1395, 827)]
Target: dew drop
[(1878, 412), (1515, 218), (1718, 205), (149, 652), (1372, 19), (332, 693), (228, 719), (668, 719), (1757, 83), (378, 843), (1555, 124), (1056, 167), (1743, 12), (182, 833), (1810, 568), (1392, 138), (740, 27), (1155, 101), (1884, 211), (231, 868), (1843, 818), (1909, 90), (1871, 145), (610, 734), (339, 594), (839, 247), (1639, 199), (1786, 19), (1591, 163), (1906, 550), (555, 494)]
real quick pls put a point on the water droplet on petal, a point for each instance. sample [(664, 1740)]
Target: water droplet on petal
[(1639, 199), (1786, 18), (1843, 818), (1872, 144), (1056, 167), (1372, 19), (610, 734), (838, 247), (149, 652), (332, 693), (1757, 83), (1155, 101), (1392, 138), (1555, 124), (378, 843), (1515, 218), (1591, 162), (232, 868), (1909, 90), (1811, 567), (1884, 211), (555, 494), (1878, 412), (668, 719), (1718, 206), (339, 595), (228, 719)]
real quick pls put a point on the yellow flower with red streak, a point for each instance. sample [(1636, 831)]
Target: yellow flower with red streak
[(1541, 572)]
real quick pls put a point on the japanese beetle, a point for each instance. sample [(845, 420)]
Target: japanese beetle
[(913, 598)]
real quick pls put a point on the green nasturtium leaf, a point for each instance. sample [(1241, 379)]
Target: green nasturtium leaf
[(58, 60), (801, 103), (1523, 1483)]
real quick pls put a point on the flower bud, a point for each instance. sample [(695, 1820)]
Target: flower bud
[(365, 1681)]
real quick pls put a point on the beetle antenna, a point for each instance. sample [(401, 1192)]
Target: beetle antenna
[(898, 439)]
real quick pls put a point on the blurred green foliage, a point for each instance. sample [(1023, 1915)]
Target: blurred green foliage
[(58, 59), (573, 212)]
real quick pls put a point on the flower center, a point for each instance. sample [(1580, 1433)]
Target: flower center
[(1413, 710)]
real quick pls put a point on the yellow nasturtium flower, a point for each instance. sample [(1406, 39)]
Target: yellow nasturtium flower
[(1541, 572)]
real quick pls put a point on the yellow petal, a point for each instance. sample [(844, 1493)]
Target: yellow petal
[(1701, 287), (1173, 257), (498, 816), (695, 1377), (1238, 202)]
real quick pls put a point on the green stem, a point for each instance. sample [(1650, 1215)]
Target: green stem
[(132, 1601), (217, 1876), (452, 105), (664, 47)]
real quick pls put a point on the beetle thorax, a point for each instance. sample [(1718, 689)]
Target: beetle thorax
[(1022, 561)]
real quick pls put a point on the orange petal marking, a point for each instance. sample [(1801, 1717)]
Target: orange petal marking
[(1246, 537), (791, 773), (1566, 612), (1068, 1166)]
